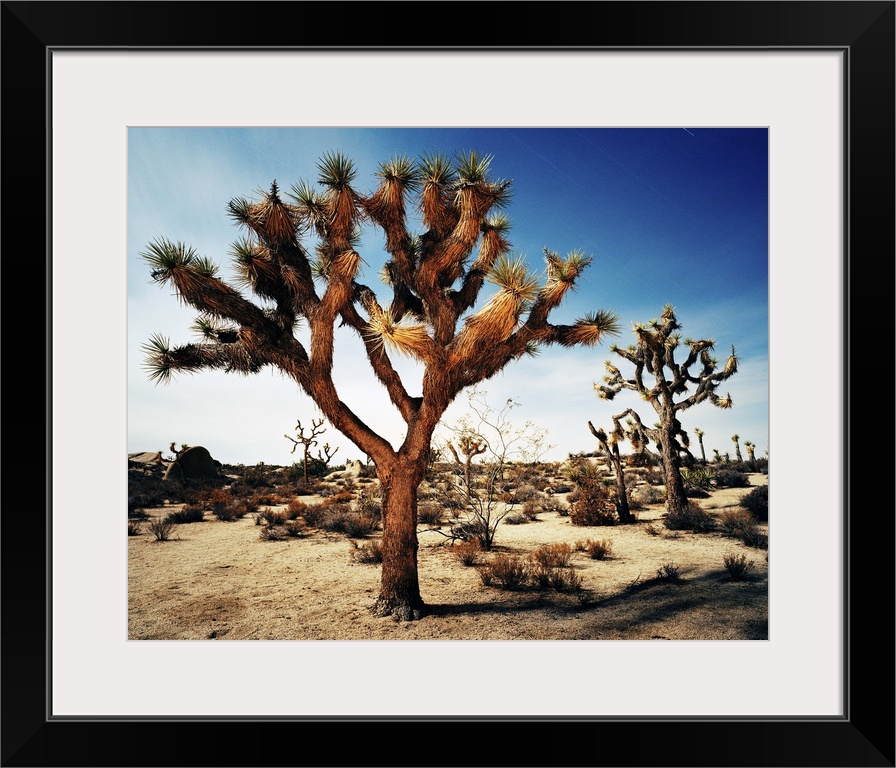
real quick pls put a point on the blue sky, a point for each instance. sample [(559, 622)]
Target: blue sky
[(671, 216)]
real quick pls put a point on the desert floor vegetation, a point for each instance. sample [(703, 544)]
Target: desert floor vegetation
[(288, 572)]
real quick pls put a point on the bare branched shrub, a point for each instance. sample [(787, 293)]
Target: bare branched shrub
[(135, 527), (272, 533), (295, 509)]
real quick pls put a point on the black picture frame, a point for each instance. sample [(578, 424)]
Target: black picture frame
[(864, 736)]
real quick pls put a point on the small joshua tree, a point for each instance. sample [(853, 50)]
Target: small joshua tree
[(674, 387), (699, 432), (300, 260), (736, 440), (751, 452), (610, 446)]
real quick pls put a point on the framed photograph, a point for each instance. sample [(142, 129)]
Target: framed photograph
[(105, 101)]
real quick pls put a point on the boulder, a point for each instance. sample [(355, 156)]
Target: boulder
[(147, 457), (194, 463), (353, 468)]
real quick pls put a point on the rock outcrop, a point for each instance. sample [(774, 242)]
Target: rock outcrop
[(194, 463)]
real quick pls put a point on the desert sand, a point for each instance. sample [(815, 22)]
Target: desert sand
[(219, 580)]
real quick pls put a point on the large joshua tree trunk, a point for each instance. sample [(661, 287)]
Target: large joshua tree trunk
[(676, 497), (399, 586)]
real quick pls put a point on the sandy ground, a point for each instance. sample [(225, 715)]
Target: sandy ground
[(219, 581)]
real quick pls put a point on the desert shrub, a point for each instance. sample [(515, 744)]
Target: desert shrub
[(507, 571), (564, 580), (295, 509), (755, 538), (737, 565), (561, 509), (691, 517), (516, 518), (338, 497), (595, 506), (647, 494), (525, 493), (369, 503), (654, 477), (137, 513), (429, 513), (598, 549), (735, 522), (161, 528), (668, 572), (256, 477), (359, 524), (268, 498), (190, 513), (756, 501), (270, 517), (651, 529), (272, 533), (467, 552), (552, 555), (314, 514), (730, 478), (135, 527), (369, 553), (531, 508), (294, 529)]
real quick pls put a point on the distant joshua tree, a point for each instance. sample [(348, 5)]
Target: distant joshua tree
[(433, 281), (306, 441), (654, 355), (751, 451), (699, 432), (736, 439)]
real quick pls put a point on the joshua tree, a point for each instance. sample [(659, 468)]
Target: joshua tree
[(751, 452), (654, 354), (699, 432), (736, 439), (610, 446), (434, 280), (471, 445)]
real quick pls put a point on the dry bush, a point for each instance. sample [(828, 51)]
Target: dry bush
[(429, 513), (755, 538), (505, 571), (339, 497), (737, 565), (756, 502), (595, 506), (651, 529), (295, 509), (272, 533), (369, 553), (270, 517), (161, 528), (596, 549), (552, 555), (314, 514), (467, 552), (515, 518), (692, 517), (647, 494), (669, 572), (135, 527), (294, 529), (190, 513), (734, 522)]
